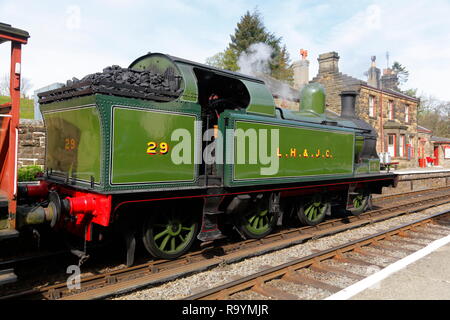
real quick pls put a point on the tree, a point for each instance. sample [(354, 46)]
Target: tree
[(411, 92), (224, 60), (250, 30), (216, 60), (4, 85), (25, 86), (282, 70), (434, 114), (401, 72)]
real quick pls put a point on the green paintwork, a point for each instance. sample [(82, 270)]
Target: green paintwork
[(261, 100), (146, 121), (190, 92), (155, 62), (358, 201), (71, 136), (171, 233), (160, 63), (374, 165), (133, 129), (312, 98), (259, 222), (314, 209), (339, 144), (359, 143), (75, 102), (361, 168), (112, 134), (368, 166)]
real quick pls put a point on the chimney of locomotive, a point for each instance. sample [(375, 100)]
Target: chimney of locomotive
[(348, 104)]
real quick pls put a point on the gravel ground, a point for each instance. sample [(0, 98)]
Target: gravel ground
[(389, 253), (423, 242), (301, 291), (362, 270), (375, 260), (249, 295), (189, 285), (329, 278)]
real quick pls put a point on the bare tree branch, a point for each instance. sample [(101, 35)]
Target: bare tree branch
[(25, 86)]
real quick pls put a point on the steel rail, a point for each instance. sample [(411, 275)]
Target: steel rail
[(128, 279), (258, 279), (10, 262)]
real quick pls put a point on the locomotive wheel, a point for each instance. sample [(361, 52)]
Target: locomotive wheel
[(360, 203), (168, 234), (258, 221), (312, 211)]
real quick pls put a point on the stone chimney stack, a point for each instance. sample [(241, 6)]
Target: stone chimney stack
[(374, 74), (301, 70), (389, 80), (328, 62)]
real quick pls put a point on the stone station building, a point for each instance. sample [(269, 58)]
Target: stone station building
[(379, 102)]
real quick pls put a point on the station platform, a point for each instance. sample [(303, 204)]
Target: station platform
[(436, 169), (418, 179), (427, 278)]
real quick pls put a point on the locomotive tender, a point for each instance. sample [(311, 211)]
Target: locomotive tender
[(183, 149)]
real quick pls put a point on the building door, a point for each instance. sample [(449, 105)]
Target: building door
[(402, 145), (391, 145), (436, 155)]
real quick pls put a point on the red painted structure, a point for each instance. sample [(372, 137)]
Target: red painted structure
[(9, 122), (436, 155)]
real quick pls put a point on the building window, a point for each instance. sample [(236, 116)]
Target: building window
[(391, 110), (447, 152), (372, 106), (402, 148), (392, 144), (407, 113)]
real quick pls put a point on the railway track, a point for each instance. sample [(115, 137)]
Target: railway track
[(154, 272), (9, 262), (300, 272)]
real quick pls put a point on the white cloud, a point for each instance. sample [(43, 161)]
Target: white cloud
[(73, 17), (416, 33)]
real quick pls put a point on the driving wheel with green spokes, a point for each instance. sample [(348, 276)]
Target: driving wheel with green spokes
[(257, 221), (169, 233), (312, 210), (360, 202)]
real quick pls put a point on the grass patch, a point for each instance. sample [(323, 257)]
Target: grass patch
[(26, 107), (28, 173)]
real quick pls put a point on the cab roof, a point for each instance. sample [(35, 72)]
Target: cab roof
[(215, 70)]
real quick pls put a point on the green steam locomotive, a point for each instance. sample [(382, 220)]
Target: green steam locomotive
[(170, 151)]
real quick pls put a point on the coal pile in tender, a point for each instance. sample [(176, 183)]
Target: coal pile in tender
[(120, 81)]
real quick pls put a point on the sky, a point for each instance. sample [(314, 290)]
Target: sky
[(76, 38)]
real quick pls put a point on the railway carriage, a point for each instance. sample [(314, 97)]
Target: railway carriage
[(170, 151)]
